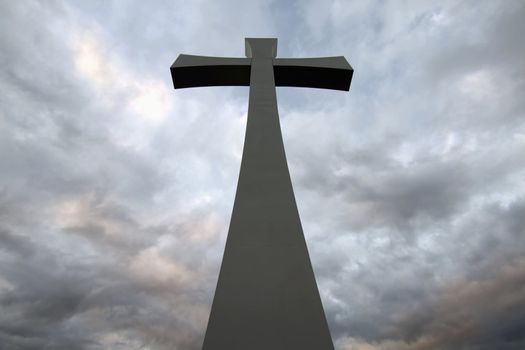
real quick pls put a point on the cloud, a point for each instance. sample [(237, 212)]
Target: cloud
[(116, 191)]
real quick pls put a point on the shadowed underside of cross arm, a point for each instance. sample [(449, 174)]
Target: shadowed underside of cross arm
[(193, 71), (324, 72), (320, 72)]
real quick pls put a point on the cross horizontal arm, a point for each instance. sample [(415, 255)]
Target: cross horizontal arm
[(322, 72), (193, 71)]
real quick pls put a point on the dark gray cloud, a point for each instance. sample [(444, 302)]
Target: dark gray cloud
[(432, 307), (116, 191)]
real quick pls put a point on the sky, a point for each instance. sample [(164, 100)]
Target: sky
[(116, 191)]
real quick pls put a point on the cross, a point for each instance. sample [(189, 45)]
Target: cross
[(266, 295)]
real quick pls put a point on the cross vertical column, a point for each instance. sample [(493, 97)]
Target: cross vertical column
[(266, 296)]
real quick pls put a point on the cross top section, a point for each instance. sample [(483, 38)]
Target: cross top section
[(316, 72), (261, 47)]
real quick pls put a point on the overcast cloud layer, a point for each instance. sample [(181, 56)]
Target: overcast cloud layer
[(116, 191)]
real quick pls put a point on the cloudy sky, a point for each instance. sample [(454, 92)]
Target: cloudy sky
[(116, 190)]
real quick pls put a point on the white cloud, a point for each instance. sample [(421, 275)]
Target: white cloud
[(478, 85), (149, 264), (117, 85)]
